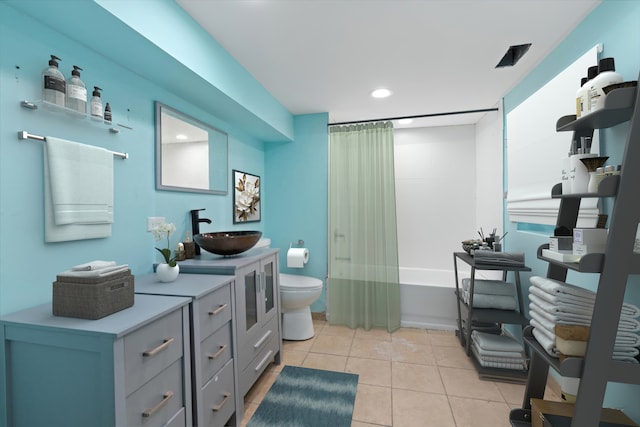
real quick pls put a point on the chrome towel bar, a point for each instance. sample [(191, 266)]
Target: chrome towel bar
[(23, 134)]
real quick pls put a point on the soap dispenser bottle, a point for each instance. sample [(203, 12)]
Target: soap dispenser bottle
[(76, 92), (53, 89), (96, 104)]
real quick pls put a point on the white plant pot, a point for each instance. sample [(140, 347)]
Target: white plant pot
[(166, 273)]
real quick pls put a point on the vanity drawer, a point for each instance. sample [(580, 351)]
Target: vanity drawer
[(215, 351), (159, 400), (251, 373), (215, 310), (151, 349), (219, 397), (256, 342)]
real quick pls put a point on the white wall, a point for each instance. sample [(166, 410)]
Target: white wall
[(489, 175), (435, 171)]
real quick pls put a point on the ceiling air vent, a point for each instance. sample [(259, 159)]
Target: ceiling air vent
[(513, 55)]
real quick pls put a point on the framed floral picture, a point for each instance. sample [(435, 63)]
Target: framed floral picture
[(246, 197)]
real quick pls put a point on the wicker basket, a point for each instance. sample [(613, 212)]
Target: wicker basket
[(92, 298)]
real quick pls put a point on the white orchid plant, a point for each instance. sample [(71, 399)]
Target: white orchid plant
[(159, 233)]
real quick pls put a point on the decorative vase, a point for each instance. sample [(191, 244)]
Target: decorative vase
[(166, 273)]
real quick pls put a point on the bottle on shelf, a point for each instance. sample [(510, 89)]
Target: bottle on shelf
[(606, 76), (96, 104), (592, 72), (581, 97), (76, 92), (107, 113), (53, 88)]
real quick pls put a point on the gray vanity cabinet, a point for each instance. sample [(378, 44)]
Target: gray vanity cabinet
[(257, 304), (131, 368), (213, 354), (257, 299)]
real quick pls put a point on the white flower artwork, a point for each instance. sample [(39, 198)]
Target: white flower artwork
[(246, 197)]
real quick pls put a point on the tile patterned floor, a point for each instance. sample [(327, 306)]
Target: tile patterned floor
[(410, 378)]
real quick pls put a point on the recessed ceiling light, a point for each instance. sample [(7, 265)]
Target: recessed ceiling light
[(381, 93), (181, 137), (405, 121)]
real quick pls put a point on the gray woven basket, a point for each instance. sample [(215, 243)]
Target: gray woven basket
[(93, 300)]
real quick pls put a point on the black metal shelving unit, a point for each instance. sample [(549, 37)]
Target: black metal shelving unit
[(476, 316), (615, 265)]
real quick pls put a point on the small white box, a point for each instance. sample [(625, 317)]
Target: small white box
[(590, 236), (560, 243), (582, 249)]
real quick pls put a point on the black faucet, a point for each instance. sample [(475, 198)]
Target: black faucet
[(195, 224)]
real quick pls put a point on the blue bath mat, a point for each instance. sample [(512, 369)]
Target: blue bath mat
[(303, 397)]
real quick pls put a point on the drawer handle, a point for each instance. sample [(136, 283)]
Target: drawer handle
[(166, 343), (218, 353), (264, 360), (217, 310), (221, 404), (263, 339), (165, 399)]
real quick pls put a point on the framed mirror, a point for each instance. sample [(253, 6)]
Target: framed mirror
[(190, 155)]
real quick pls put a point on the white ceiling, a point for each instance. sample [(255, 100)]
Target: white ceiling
[(436, 56)]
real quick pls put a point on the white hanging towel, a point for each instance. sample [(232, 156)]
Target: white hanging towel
[(74, 176), (81, 180)]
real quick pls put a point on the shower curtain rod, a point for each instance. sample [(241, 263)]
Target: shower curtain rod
[(450, 113)]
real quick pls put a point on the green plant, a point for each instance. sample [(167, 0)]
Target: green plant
[(159, 233)]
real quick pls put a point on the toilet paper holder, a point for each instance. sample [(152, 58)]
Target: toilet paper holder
[(300, 243)]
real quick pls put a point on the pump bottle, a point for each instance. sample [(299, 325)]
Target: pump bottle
[(53, 89), (96, 104), (76, 92)]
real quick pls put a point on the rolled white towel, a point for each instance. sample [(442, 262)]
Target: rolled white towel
[(107, 271), (93, 265)]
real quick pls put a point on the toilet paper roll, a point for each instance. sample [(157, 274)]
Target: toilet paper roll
[(297, 257)]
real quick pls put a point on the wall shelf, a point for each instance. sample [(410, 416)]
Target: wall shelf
[(71, 114), (597, 368)]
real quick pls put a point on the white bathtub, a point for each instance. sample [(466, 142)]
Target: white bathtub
[(427, 298)]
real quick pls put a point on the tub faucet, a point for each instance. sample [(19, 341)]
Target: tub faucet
[(195, 224)]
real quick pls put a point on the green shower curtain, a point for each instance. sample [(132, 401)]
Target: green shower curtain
[(363, 285)]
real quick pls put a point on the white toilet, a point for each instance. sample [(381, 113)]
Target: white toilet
[(297, 293)]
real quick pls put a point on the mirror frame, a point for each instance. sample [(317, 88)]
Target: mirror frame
[(220, 189)]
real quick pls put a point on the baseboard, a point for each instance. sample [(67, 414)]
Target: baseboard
[(319, 316)]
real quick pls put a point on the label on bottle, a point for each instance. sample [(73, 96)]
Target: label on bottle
[(96, 109), (77, 92), (53, 83)]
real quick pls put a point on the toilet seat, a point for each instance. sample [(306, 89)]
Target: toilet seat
[(293, 283)]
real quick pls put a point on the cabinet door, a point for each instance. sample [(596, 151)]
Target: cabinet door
[(269, 287), (247, 298)]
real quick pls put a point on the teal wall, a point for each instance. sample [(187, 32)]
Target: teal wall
[(298, 177), (136, 66), (614, 24)]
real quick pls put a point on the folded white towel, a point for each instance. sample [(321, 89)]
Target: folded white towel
[(553, 305), (500, 302), (626, 324), (489, 287), (516, 364), (107, 271), (495, 342), (94, 265), (623, 338), (81, 180), (565, 292)]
